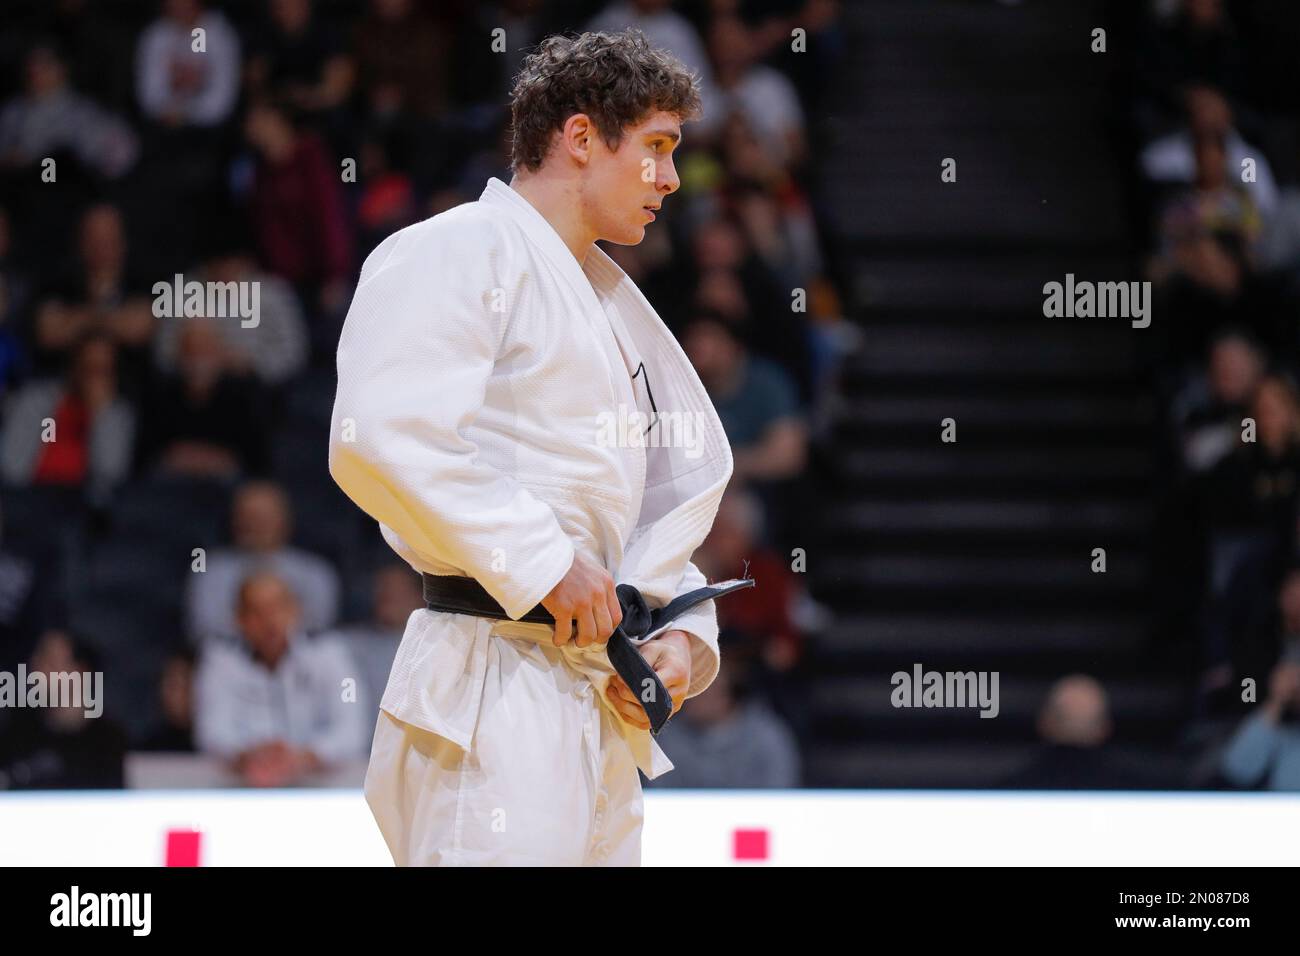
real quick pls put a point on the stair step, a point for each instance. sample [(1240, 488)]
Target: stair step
[(988, 517), (942, 640), (961, 463), (987, 412)]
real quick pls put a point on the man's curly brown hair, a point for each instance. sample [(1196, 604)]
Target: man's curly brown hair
[(617, 79)]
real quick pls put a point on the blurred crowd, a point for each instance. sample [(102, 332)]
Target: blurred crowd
[(165, 512), (1215, 113)]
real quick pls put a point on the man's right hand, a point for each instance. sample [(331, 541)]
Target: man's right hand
[(585, 596)]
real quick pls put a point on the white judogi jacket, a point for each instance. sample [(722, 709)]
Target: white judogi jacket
[(484, 408)]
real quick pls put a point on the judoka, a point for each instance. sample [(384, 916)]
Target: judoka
[(482, 353)]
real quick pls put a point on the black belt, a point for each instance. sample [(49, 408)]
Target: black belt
[(461, 595)]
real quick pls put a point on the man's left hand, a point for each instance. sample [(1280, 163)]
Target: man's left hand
[(670, 656)]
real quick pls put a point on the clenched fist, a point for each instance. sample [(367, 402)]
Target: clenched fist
[(670, 656)]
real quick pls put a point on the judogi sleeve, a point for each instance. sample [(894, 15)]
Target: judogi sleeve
[(701, 623), (417, 348)]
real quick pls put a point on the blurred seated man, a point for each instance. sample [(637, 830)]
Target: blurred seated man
[(207, 420), (93, 433), (1076, 752), (274, 349), (1266, 748), (1248, 502), (1172, 158), (275, 708), (67, 744), (1209, 409), (373, 644), (51, 117), (98, 291), (725, 741), (261, 523), (755, 400)]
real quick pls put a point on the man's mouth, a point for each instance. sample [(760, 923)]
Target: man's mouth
[(651, 211)]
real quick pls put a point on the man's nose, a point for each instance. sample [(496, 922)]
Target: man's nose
[(670, 182)]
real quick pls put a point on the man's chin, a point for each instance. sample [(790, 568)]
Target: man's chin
[(632, 237)]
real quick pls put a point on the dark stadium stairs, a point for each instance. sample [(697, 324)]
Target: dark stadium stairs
[(976, 555)]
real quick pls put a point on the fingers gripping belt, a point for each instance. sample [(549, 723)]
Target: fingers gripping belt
[(462, 595)]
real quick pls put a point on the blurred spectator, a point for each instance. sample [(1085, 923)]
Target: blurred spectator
[(770, 203), (274, 707), (402, 59), (764, 615), (387, 200), (735, 282), (50, 118), (483, 72), (1210, 408), (205, 420), (1197, 44), (1215, 205), (755, 401), (373, 644), (764, 627), (1172, 159), (98, 45), (1207, 235), (1076, 752), (1248, 503), (1263, 628), (720, 740), (1255, 487), (274, 349), (179, 84), (669, 30), (765, 97), (261, 524), (834, 337), (103, 293), (77, 432), (1266, 748), (297, 210), (299, 59), (175, 731), (60, 747)]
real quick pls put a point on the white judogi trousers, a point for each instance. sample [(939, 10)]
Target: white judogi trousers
[(547, 780)]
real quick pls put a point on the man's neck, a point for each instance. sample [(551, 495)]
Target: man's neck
[(560, 205)]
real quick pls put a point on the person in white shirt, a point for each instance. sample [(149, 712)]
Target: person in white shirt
[(184, 77), (278, 708), (514, 413)]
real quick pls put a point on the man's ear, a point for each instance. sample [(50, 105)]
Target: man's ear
[(577, 136)]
